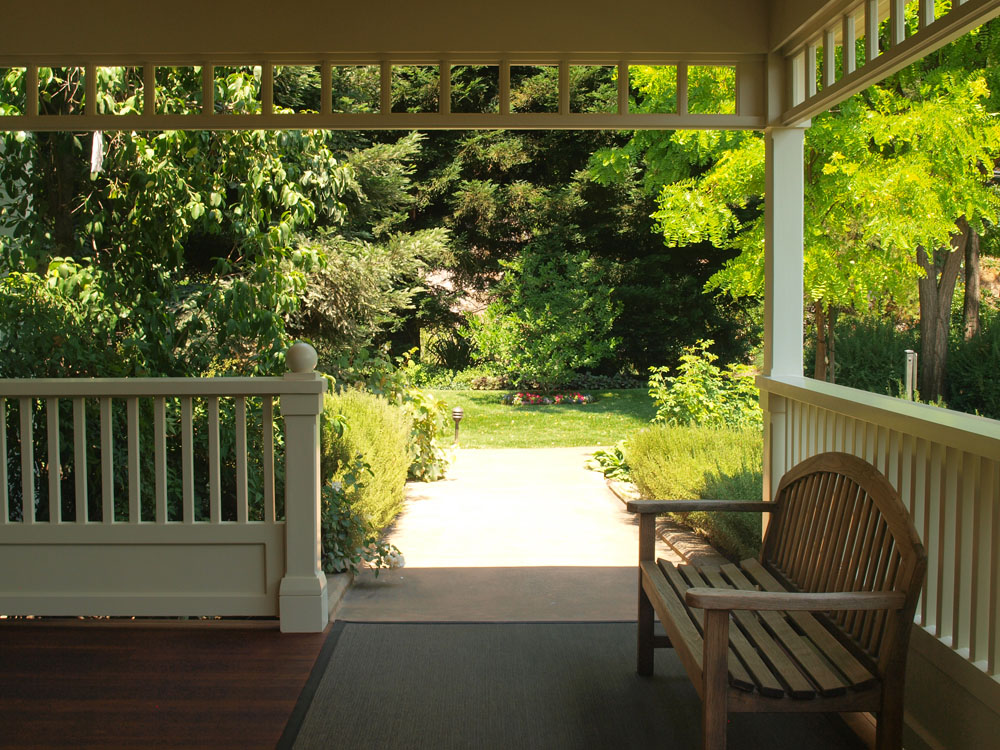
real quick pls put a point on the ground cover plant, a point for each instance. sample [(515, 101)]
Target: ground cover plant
[(489, 423), (691, 463)]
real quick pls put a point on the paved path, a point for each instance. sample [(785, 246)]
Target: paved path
[(511, 535)]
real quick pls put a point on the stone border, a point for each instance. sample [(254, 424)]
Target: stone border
[(691, 547)]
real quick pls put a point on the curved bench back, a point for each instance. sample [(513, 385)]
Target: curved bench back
[(842, 527)]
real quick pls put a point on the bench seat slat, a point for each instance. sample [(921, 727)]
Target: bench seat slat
[(760, 672), (684, 637), (858, 675), (825, 679), (738, 675), (771, 652)]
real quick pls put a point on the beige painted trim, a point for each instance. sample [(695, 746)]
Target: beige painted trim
[(976, 435), (961, 19)]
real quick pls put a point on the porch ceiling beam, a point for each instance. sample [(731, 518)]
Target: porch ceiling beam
[(390, 121), (959, 20), (219, 28)]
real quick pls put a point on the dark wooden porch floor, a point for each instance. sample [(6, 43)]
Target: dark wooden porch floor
[(83, 684)]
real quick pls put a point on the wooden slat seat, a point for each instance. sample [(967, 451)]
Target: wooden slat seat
[(819, 623)]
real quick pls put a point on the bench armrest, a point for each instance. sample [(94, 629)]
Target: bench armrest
[(708, 598), (689, 506)]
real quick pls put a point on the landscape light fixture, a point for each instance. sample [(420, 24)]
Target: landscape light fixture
[(457, 415)]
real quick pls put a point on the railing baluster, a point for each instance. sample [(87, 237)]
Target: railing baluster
[(214, 481), (682, 88), (160, 456), (849, 41), (80, 459), (267, 442), (977, 529), (385, 88), (134, 479), (241, 459), (444, 87), (505, 87), (148, 89), (961, 552), (4, 495), (27, 461), (993, 493), (829, 58), (187, 457), (926, 13), (871, 30), (54, 464), (623, 88), (107, 464), (267, 89), (564, 87), (207, 89), (922, 490), (326, 88), (897, 21), (811, 55), (935, 540)]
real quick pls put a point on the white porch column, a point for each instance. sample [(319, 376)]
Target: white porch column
[(302, 601), (783, 247), (783, 285)]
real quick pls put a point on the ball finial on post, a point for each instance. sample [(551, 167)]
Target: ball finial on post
[(301, 358)]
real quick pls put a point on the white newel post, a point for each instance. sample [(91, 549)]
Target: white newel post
[(303, 594), (783, 285)]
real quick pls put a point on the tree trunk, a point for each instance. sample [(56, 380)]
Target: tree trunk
[(936, 291), (819, 365), (970, 310), (831, 344)]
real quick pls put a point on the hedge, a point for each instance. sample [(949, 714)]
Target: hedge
[(694, 463), (380, 432)]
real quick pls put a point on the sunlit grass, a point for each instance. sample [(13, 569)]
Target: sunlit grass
[(489, 423)]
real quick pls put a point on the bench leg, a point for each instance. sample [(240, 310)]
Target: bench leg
[(647, 551), (644, 649), (715, 680), (889, 726)]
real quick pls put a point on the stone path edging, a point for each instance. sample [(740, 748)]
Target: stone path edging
[(691, 547)]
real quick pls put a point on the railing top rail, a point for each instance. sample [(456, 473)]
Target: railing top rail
[(132, 387), (966, 432)]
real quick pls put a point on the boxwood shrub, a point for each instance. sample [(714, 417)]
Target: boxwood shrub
[(694, 463), (380, 433)]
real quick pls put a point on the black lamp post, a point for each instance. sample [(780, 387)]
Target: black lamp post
[(457, 415)]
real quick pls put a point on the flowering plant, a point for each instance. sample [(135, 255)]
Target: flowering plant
[(537, 399)]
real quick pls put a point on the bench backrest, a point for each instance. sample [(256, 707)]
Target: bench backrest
[(842, 527)]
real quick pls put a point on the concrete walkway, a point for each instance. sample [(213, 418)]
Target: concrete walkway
[(510, 536)]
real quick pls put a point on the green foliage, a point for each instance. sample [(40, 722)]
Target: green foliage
[(974, 385), (672, 462), (870, 354), (553, 316), (187, 236), (611, 462), (349, 539), (378, 432), (704, 394)]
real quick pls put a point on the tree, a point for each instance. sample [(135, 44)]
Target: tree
[(890, 171), (553, 315)]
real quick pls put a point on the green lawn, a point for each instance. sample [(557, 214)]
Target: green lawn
[(489, 423)]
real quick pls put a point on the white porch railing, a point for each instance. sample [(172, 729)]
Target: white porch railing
[(946, 467), (156, 496)]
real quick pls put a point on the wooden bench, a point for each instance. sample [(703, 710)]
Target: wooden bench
[(820, 622)]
